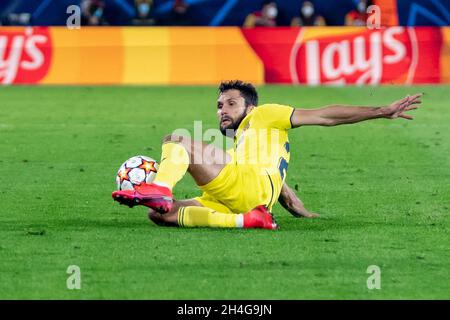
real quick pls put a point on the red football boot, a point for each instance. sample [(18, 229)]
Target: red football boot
[(260, 217), (151, 195)]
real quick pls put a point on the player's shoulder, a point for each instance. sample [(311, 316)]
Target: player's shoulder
[(267, 107), (273, 115), (271, 105)]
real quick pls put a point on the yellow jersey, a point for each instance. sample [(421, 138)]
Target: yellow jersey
[(260, 159)]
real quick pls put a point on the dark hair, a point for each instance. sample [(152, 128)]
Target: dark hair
[(247, 90)]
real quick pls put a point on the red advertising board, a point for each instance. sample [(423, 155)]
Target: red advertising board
[(310, 55), (25, 55), (339, 56)]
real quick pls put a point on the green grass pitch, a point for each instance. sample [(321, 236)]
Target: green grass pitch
[(382, 189)]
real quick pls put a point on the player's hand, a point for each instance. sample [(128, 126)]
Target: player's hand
[(304, 214), (398, 108)]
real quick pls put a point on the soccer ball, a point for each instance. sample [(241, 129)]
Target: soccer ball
[(135, 171)]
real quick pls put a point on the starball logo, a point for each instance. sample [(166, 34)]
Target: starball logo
[(25, 55), (359, 58)]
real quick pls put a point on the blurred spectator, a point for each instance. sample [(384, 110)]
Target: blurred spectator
[(179, 15), (17, 19), (92, 13), (144, 13), (358, 16), (308, 16), (266, 17)]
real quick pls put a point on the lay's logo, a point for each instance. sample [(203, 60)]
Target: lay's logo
[(340, 56), (24, 54), (366, 58)]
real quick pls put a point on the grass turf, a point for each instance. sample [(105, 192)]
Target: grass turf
[(382, 188)]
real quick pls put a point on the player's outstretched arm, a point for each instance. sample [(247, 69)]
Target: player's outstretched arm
[(341, 114), (289, 200)]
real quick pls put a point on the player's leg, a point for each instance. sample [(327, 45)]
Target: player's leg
[(171, 218), (179, 155), (197, 212), (193, 213)]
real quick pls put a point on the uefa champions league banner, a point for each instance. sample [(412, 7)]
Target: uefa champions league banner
[(184, 56)]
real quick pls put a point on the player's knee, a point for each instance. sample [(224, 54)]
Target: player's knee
[(186, 142)]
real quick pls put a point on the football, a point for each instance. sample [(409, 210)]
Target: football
[(135, 171)]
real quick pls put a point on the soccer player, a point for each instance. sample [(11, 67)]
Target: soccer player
[(241, 186)]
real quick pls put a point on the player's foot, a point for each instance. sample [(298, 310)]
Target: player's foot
[(259, 217), (151, 195)]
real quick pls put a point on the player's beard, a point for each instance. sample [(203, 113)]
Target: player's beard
[(230, 129)]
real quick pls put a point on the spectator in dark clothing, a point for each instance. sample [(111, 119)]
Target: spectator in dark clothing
[(144, 13), (359, 16), (93, 13), (308, 16), (266, 17), (180, 13)]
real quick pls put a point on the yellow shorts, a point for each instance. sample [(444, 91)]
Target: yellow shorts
[(239, 188)]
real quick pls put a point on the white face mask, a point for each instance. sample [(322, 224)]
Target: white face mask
[(307, 11), (98, 13), (144, 8), (361, 7), (272, 12)]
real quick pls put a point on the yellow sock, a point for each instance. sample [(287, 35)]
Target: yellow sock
[(206, 217), (173, 166)]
